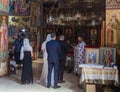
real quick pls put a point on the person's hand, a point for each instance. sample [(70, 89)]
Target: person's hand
[(43, 51), (32, 54)]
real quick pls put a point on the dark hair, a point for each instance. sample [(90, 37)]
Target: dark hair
[(80, 37), (53, 35), (73, 44)]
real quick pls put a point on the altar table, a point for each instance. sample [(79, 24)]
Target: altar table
[(98, 74)]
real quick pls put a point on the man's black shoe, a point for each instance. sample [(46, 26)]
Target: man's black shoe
[(55, 87), (48, 86)]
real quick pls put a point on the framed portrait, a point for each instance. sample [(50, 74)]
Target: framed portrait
[(107, 56), (92, 55), (93, 34)]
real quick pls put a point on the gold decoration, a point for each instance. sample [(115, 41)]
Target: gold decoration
[(118, 1), (108, 1)]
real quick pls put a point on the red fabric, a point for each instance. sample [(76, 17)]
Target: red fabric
[(70, 53), (92, 46)]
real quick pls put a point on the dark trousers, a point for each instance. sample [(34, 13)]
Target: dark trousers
[(61, 69), (17, 57), (51, 66)]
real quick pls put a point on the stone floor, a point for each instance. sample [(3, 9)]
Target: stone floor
[(13, 84)]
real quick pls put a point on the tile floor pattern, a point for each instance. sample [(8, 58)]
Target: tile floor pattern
[(12, 84)]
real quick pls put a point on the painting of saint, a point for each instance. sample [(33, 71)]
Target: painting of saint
[(92, 55), (113, 31), (4, 38), (3, 45), (24, 8), (93, 36), (19, 7), (107, 56), (4, 6), (10, 30), (33, 14)]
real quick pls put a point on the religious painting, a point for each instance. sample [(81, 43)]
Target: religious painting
[(3, 44), (92, 55), (4, 6), (33, 34), (34, 43), (16, 23), (112, 28), (19, 7), (3, 36), (68, 34), (35, 14), (93, 36), (107, 56)]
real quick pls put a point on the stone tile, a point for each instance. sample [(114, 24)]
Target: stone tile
[(13, 84)]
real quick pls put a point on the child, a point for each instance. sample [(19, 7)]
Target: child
[(70, 60), (12, 62), (11, 54)]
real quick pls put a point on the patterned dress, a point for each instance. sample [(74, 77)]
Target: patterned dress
[(79, 56)]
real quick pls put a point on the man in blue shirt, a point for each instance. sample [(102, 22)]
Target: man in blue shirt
[(17, 48)]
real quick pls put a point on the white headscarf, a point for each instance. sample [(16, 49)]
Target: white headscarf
[(26, 45), (48, 38)]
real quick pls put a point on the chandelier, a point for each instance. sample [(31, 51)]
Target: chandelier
[(78, 15), (61, 17)]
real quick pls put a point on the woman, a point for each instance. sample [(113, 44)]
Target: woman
[(43, 78), (27, 72)]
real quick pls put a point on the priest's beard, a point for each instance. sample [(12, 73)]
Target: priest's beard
[(113, 20)]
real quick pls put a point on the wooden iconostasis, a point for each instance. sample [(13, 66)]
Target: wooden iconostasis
[(28, 19), (90, 34)]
